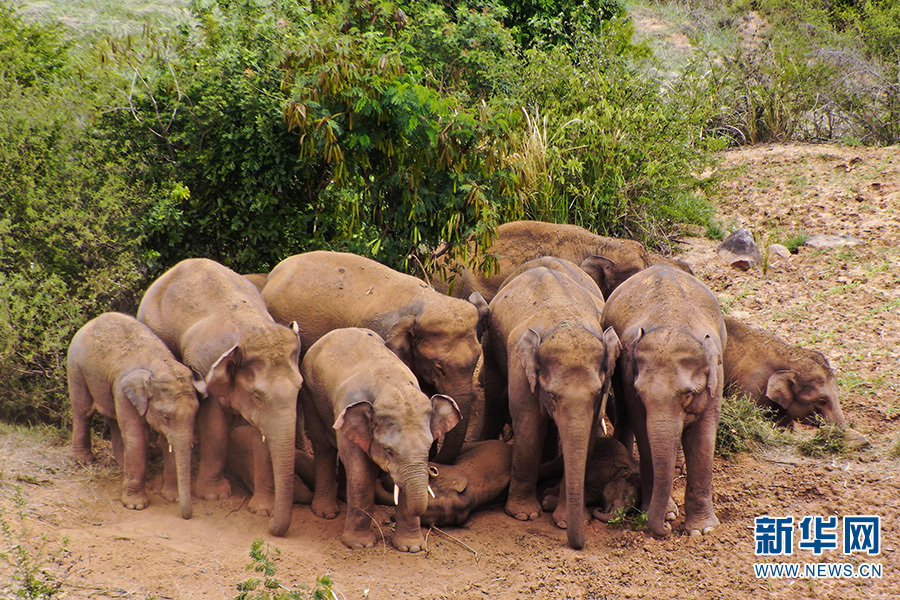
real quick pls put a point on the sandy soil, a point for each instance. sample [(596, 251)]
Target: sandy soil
[(842, 301)]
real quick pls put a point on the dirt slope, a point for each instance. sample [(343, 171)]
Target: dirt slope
[(842, 301)]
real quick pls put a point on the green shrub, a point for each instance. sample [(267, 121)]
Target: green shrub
[(69, 248), (828, 441), (269, 588), (743, 427)]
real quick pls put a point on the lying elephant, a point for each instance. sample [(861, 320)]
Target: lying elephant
[(609, 261), (435, 335), (612, 481), (362, 403), (479, 476), (546, 357), (216, 322), (119, 368), (669, 383), (796, 383), (240, 463)]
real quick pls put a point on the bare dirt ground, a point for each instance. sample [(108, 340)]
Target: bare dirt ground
[(842, 301)]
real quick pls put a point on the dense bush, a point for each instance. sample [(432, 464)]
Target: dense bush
[(68, 244)]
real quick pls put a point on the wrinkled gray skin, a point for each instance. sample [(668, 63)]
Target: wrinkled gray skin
[(363, 404), (435, 335), (796, 383), (479, 476), (546, 357), (612, 481), (216, 322), (609, 261), (669, 383), (240, 464), (120, 369)]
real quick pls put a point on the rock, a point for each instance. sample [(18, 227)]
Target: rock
[(854, 440), (739, 250), (827, 240), (779, 250)]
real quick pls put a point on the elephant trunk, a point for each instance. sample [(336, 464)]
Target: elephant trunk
[(575, 437), (412, 477), (664, 434), (280, 442), (182, 451), (464, 395), (834, 414)]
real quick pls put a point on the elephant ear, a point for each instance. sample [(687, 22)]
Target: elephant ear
[(220, 379), (601, 270), (713, 359), (526, 351), (484, 313), (781, 388), (613, 349), (401, 338), (199, 383), (458, 483), (136, 387), (445, 414), (355, 422)]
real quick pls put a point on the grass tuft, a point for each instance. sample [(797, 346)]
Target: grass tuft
[(744, 426)]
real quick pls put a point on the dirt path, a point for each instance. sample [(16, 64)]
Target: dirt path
[(842, 301)]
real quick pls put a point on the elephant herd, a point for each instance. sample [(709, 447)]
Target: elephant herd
[(339, 354)]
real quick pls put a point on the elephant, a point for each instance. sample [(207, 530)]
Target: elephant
[(216, 322), (668, 382), (609, 261), (362, 403), (546, 357), (118, 367), (612, 481), (795, 383), (257, 279), (479, 476), (435, 335), (240, 463)]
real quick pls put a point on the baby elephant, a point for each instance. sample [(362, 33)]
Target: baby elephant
[(119, 368), (241, 463), (362, 403), (612, 481)]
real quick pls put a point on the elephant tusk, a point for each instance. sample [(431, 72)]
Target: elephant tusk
[(396, 494), (264, 439), (170, 448), (431, 491)]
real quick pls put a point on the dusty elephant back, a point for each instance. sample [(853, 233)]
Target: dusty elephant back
[(323, 291), (191, 292), (521, 241)]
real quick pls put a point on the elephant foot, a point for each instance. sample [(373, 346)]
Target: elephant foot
[(83, 457), (326, 509), (169, 491), (302, 494), (561, 517), (662, 529), (528, 510), (408, 543), (213, 490), (551, 499), (701, 526), (671, 510), (262, 504), (358, 540), (135, 501)]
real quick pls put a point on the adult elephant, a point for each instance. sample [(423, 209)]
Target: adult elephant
[(609, 261), (547, 356), (669, 381), (432, 333), (215, 321)]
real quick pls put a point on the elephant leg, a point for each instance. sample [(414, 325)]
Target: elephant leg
[(115, 439), (169, 489), (82, 403), (304, 476), (262, 502), (212, 425), (134, 496), (496, 406), (324, 500), (623, 430), (361, 475), (699, 445), (530, 431)]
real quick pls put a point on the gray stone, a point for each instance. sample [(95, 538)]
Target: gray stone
[(827, 240), (779, 250), (739, 250)]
